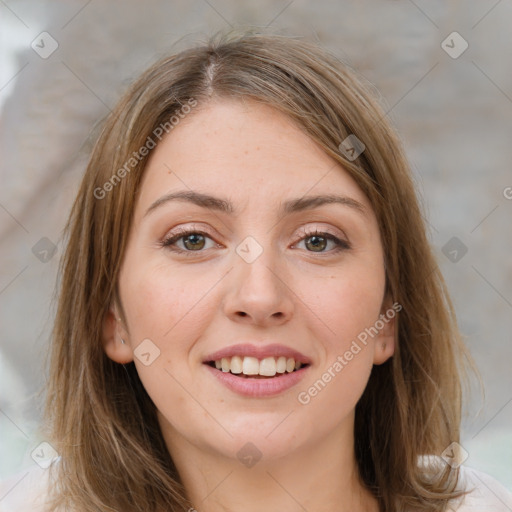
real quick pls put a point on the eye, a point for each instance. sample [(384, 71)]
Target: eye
[(191, 240), (188, 241), (318, 241)]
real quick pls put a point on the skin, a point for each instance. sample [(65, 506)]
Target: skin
[(315, 302)]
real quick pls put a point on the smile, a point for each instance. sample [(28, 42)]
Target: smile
[(247, 366), (256, 370)]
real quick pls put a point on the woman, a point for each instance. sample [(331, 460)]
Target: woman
[(250, 314)]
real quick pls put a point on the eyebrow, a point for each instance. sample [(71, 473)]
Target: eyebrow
[(225, 206)]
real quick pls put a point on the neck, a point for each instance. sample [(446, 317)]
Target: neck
[(319, 477)]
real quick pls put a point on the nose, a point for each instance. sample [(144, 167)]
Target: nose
[(258, 294)]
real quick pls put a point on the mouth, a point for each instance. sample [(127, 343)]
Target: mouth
[(248, 367), (257, 371)]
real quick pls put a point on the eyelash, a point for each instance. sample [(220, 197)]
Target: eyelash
[(341, 245)]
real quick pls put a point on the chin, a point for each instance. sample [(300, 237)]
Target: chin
[(267, 437)]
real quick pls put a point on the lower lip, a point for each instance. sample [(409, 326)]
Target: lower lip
[(258, 387)]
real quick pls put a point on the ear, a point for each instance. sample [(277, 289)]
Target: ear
[(113, 333), (384, 342)]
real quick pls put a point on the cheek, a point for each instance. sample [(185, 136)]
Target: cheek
[(158, 301), (347, 304), (171, 311), (336, 385), (167, 310)]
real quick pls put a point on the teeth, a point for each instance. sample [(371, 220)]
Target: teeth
[(250, 366), (236, 364), (281, 364), (267, 367)]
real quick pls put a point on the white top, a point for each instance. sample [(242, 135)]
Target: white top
[(26, 491)]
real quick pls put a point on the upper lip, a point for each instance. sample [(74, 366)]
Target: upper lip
[(259, 352)]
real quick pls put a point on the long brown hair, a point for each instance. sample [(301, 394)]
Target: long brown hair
[(98, 415)]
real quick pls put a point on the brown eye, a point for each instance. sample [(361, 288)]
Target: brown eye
[(188, 241), (323, 243), (194, 241), (316, 243)]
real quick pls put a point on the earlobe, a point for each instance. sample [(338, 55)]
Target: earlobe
[(384, 344), (383, 351), (115, 339)]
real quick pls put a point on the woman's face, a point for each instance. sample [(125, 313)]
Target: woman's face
[(251, 281)]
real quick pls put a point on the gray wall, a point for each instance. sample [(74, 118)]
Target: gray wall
[(454, 114)]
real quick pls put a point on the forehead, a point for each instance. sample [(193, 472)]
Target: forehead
[(246, 150)]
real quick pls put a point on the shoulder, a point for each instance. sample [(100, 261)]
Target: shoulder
[(484, 493), (25, 491)]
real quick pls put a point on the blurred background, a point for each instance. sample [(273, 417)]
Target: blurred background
[(444, 69)]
